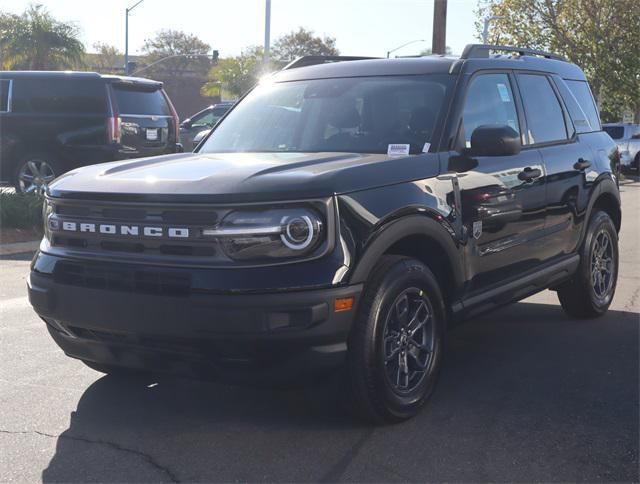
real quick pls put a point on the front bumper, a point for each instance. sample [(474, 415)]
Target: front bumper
[(156, 327)]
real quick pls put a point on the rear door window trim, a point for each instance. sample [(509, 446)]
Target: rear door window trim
[(9, 95)]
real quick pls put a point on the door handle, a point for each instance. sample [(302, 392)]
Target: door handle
[(529, 174), (581, 164)]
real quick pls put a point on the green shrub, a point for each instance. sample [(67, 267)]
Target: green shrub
[(20, 210)]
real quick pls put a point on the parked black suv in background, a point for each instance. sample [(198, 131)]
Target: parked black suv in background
[(342, 215), (51, 122)]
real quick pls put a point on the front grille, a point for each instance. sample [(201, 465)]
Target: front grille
[(194, 218), (116, 278)]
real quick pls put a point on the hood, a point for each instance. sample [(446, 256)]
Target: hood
[(240, 177)]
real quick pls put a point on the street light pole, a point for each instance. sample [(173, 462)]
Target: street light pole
[(126, 36), (267, 32), (389, 52)]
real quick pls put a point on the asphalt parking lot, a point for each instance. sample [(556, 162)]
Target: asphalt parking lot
[(526, 394)]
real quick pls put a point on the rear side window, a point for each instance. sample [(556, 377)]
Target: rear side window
[(5, 85), (136, 101), (578, 116), (545, 119), (582, 93), (59, 96), (616, 132), (489, 101)]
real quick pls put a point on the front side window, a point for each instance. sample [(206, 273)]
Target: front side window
[(545, 119), (357, 115), (489, 102)]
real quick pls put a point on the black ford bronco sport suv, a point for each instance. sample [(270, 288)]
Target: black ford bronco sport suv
[(342, 215)]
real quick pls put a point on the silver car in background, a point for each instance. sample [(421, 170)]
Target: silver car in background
[(627, 137)]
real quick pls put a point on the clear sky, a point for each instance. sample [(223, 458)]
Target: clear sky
[(361, 27)]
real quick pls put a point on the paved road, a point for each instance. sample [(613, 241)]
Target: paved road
[(525, 395)]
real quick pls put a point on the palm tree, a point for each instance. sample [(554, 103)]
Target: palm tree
[(37, 41)]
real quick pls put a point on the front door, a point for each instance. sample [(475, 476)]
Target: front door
[(502, 197)]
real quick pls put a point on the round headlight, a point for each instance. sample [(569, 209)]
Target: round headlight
[(298, 232)]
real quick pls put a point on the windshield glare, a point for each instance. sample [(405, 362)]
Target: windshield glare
[(360, 115)]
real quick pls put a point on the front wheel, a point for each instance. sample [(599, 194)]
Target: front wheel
[(590, 292), (395, 348)]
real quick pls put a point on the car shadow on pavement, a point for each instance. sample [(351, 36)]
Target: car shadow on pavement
[(525, 394)]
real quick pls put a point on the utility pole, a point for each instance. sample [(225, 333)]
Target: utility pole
[(439, 42), (126, 37), (267, 32)]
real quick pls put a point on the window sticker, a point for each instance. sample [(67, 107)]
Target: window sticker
[(397, 149), (504, 93), (425, 148)]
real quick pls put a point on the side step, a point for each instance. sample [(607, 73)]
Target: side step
[(516, 290)]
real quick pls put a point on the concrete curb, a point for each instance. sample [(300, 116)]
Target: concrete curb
[(19, 247)]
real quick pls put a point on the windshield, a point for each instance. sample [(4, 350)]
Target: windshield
[(361, 115)]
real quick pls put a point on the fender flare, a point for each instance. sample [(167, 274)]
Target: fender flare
[(410, 225), (606, 186)]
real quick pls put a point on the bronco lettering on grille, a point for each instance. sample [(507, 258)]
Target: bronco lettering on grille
[(122, 229)]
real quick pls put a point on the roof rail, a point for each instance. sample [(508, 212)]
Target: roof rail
[(312, 60), (479, 51)]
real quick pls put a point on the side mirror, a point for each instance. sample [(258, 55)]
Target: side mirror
[(186, 124), (492, 140)]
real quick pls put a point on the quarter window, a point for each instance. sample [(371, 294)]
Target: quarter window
[(582, 93), (489, 102), (578, 116), (545, 119)]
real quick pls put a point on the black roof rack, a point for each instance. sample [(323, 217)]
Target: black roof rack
[(480, 51), (312, 60)]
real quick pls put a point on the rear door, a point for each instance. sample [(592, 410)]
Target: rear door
[(147, 123), (568, 160)]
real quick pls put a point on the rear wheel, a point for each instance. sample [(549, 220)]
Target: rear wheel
[(395, 348), (34, 173), (590, 292)]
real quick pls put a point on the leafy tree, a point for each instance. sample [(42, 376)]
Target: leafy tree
[(168, 43), (235, 75), (37, 41), (106, 60), (302, 42), (601, 36)]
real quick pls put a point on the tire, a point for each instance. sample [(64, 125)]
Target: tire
[(395, 390), (589, 296), (42, 170)]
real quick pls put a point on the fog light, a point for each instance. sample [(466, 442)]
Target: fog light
[(343, 304)]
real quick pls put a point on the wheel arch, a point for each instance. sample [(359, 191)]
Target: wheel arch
[(607, 198), (422, 238)]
